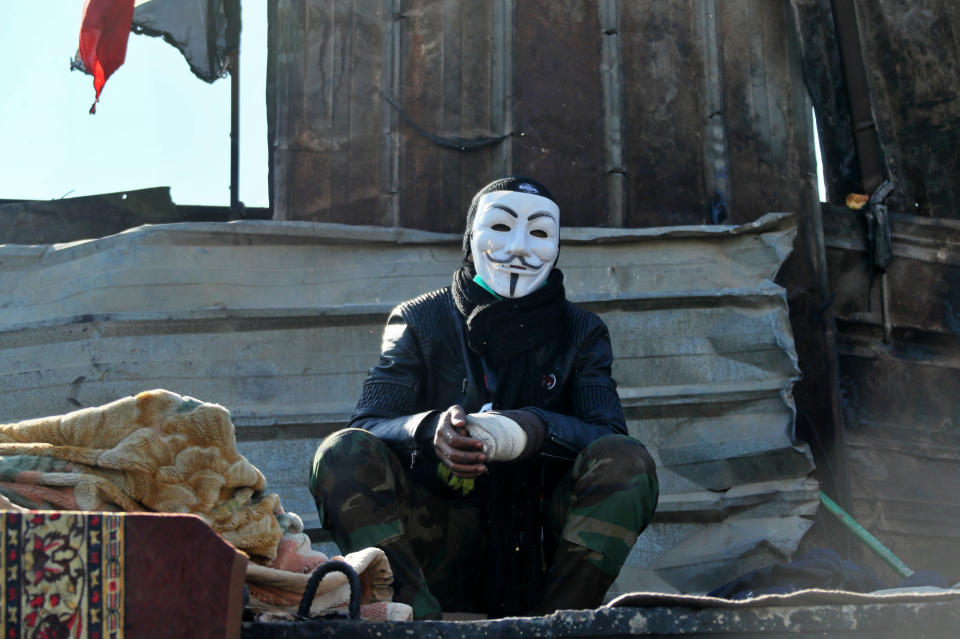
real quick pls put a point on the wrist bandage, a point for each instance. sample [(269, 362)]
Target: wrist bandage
[(503, 439)]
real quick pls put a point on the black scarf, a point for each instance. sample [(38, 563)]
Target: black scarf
[(507, 333)]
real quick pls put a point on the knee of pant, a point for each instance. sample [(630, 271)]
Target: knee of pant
[(621, 454), (344, 454)]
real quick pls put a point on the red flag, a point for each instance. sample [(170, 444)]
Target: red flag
[(103, 39)]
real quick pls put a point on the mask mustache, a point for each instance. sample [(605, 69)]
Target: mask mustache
[(509, 261)]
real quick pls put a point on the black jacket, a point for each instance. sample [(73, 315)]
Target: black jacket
[(426, 366)]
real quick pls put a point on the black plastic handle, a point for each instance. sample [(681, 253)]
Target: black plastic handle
[(303, 611)]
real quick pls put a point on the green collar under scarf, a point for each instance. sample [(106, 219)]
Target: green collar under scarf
[(483, 285)]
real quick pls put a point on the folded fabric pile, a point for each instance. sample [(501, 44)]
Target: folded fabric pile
[(162, 452), (276, 593)]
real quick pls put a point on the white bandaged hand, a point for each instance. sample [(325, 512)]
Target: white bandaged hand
[(503, 439)]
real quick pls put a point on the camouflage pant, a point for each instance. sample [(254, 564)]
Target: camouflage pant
[(598, 507)]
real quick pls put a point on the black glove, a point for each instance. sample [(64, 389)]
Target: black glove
[(531, 424)]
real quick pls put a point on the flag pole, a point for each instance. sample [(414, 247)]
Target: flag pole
[(233, 10), (235, 212)]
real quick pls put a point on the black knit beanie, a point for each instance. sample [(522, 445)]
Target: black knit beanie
[(513, 183)]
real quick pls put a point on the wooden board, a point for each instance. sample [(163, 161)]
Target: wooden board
[(899, 393)]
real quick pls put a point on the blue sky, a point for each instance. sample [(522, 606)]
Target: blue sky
[(156, 124)]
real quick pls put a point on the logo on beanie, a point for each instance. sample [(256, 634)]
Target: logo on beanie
[(528, 188)]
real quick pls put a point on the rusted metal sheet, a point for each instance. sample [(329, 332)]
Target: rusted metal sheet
[(635, 113), (558, 104), (900, 394), (275, 321), (717, 125), (445, 86), (897, 331), (665, 113), (912, 61), (911, 67), (324, 110)]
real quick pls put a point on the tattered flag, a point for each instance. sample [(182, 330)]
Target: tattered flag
[(207, 33), (103, 40)]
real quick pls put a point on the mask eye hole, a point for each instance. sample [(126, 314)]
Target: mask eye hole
[(500, 227), (539, 233)]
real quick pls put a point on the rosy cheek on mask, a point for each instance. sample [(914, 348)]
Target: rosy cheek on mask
[(545, 250)]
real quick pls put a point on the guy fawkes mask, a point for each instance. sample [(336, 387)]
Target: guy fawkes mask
[(515, 241)]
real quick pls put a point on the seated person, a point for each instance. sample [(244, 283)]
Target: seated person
[(488, 454)]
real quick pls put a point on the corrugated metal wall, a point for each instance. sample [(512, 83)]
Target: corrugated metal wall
[(279, 322)]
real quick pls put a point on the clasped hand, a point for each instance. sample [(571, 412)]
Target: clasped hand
[(457, 450)]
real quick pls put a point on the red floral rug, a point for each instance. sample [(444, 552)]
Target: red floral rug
[(63, 575)]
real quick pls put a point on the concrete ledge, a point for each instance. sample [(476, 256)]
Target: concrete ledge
[(932, 619)]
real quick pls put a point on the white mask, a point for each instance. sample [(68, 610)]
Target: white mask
[(515, 241)]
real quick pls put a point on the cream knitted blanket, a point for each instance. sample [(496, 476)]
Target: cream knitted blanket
[(162, 452)]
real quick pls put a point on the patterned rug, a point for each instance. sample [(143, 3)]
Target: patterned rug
[(63, 575)]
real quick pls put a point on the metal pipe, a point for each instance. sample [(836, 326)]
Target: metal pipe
[(611, 76), (864, 535), (715, 162)]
